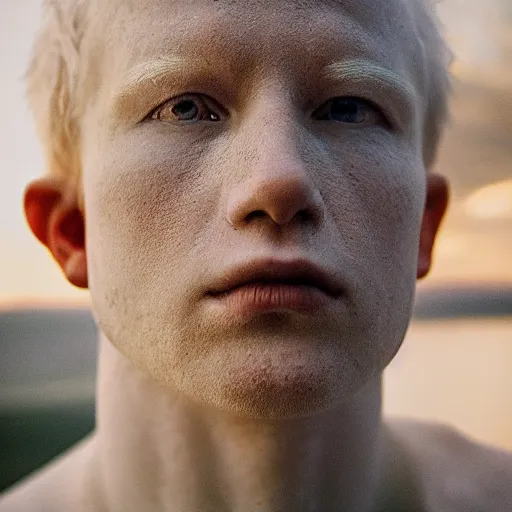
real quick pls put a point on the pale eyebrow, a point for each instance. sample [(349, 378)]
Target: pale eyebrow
[(153, 70), (360, 70)]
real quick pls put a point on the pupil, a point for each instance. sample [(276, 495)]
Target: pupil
[(186, 110), (346, 110)]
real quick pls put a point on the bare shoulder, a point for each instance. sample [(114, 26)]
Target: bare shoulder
[(453, 472), (58, 487)]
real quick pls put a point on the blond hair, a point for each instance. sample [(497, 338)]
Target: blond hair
[(52, 85), (54, 81)]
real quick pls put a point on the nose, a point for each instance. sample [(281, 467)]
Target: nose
[(276, 187)]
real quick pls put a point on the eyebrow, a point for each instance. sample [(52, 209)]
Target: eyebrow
[(366, 72), (357, 70), (153, 70)]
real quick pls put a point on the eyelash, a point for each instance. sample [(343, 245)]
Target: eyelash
[(184, 97), (368, 103), (195, 96)]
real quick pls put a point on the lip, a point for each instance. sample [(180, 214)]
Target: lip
[(295, 278)]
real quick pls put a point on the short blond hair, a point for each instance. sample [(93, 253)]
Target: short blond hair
[(52, 85), (54, 77)]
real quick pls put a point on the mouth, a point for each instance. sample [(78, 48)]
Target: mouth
[(275, 285), (270, 272)]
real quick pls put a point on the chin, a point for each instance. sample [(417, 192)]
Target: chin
[(270, 401), (286, 389)]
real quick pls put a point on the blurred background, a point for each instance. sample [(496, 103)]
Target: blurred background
[(456, 362)]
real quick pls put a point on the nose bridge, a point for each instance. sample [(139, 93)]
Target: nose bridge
[(277, 150), (271, 125), (274, 178)]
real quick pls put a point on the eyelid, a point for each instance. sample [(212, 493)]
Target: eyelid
[(189, 96), (129, 104), (393, 94), (375, 108), (389, 117)]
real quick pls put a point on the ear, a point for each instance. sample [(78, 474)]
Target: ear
[(435, 209), (56, 220)]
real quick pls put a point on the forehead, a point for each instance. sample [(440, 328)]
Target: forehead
[(243, 35)]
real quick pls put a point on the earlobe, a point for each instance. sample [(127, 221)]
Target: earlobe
[(75, 269), (56, 220), (435, 208)]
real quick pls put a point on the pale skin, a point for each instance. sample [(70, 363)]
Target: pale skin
[(205, 407)]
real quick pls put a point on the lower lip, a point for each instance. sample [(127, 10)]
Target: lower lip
[(265, 297)]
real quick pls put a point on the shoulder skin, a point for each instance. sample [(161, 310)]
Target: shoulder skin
[(431, 468), (64, 485), (451, 472)]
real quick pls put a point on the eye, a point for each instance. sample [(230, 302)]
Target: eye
[(189, 108), (350, 111)]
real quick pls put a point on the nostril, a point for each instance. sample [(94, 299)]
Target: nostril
[(305, 215), (258, 214), (302, 215), (282, 200)]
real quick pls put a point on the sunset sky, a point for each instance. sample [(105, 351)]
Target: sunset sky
[(476, 243)]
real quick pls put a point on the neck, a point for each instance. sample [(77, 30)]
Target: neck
[(160, 452)]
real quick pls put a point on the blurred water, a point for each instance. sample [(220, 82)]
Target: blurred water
[(459, 372), (454, 371)]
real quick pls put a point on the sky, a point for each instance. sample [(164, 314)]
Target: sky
[(476, 154)]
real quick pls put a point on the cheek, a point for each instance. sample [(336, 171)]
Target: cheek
[(378, 200), (396, 208), (144, 210), (394, 193), (377, 206)]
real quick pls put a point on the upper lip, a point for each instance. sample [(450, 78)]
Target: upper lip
[(299, 272)]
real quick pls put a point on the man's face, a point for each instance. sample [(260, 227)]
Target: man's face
[(227, 133)]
